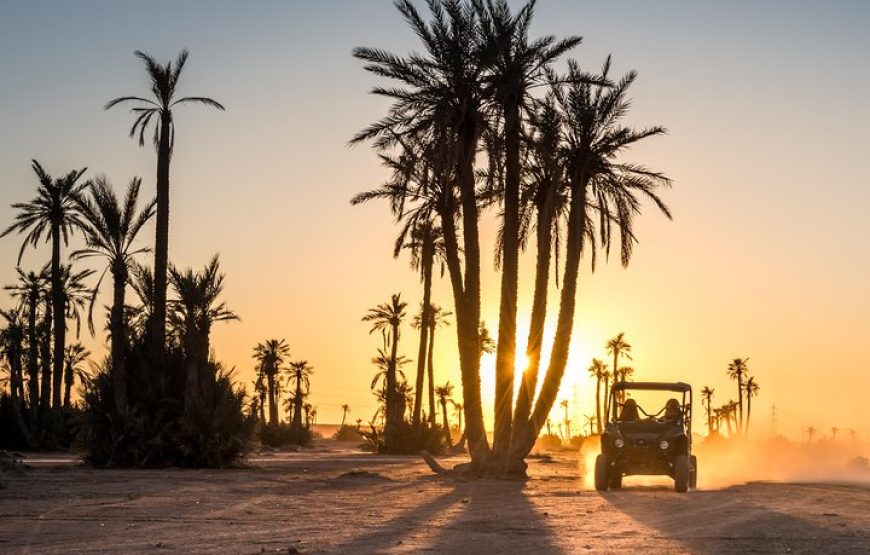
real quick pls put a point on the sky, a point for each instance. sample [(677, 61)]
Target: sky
[(765, 105)]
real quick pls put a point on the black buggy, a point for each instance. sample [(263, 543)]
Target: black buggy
[(635, 442)]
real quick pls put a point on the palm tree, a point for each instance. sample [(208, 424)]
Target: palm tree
[(811, 432), (29, 290), (441, 97), (567, 421), (270, 355), (387, 318), (737, 370), (163, 84), (444, 393), (196, 308), (751, 391), (110, 227), (706, 400), (597, 370), (438, 317), (590, 423), (345, 410), (12, 350), (300, 374), (260, 392), (593, 143), (616, 347), (74, 356), (54, 213), (515, 65)]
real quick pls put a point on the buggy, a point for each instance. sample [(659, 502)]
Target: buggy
[(635, 442)]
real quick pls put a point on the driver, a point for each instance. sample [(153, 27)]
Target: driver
[(673, 412), (629, 411)]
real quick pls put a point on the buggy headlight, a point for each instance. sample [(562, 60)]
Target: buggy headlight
[(663, 444), (619, 443)]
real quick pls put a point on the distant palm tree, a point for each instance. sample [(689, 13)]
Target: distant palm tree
[(75, 355), (706, 400), (110, 227), (616, 347), (260, 392), (811, 433), (591, 421), (444, 393), (438, 317), (139, 314), (567, 421), (738, 369), (358, 424), (598, 370), (12, 351), (163, 84), (270, 355), (834, 431), (751, 391), (457, 407), (196, 308), (345, 410), (387, 318), (300, 379), (54, 213), (29, 290)]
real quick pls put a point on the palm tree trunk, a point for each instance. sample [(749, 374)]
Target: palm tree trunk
[(16, 368), (161, 242), (119, 340), (598, 402), (32, 356), (392, 417), (426, 261), (529, 383), (46, 360), (67, 386), (505, 358), (430, 362), (273, 402), (191, 386), (606, 399), (446, 423), (297, 406), (748, 414), (564, 327), (57, 302), (740, 403)]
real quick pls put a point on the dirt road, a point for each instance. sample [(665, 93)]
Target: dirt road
[(335, 499)]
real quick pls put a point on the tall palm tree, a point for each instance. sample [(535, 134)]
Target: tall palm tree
[(345, 410), (110, 227), (300, 376), (738, 369), (196, 308), (444, 393), (751, 391), (616, 347), (163, 86), (260, 392), (706, 400), (441, 97), (270, 355), (12, 351), (387, 319), (52, 212), (597, 370), (75, 355), (438, 317), (598, 182), (28, 291), (515, 64)]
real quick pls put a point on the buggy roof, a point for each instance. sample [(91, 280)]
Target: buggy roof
[(653, 386)]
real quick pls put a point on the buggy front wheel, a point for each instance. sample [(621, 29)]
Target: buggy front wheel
[(601, 473), (681, 473), (693, 472)]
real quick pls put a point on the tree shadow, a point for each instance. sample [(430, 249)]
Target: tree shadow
[(732, 521)]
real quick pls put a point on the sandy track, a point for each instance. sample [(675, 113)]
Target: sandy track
[(338, 500)]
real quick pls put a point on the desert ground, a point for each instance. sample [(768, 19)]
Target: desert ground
[(334, 499)]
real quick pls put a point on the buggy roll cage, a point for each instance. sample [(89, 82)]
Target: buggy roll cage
[(676, 387)]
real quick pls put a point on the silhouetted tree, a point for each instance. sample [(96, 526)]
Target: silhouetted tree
[(28, 290), (616, 347), (738, 370), (345, 410), (110, 227), (597, 371), (300, 374), (75, 355), (706, 401), (445, 393), (270, 355), (751, 391), (159, 109), (387, 318)]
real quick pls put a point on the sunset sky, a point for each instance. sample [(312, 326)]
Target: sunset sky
[(767, 256)]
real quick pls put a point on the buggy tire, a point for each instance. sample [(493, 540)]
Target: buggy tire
[(615, 481), (601, 473), (693, 472), (681, 473)]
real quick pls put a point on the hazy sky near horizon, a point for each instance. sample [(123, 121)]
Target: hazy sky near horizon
[(766, 106)]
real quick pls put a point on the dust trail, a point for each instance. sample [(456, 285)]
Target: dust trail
[(726, 462)]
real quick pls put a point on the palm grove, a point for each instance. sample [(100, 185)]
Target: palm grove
[(482, 120), (159, 398)]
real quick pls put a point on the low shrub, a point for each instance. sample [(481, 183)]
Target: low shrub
[(410, 440), (283, 435)]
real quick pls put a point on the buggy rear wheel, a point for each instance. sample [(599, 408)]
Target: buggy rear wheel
[(693, 472), (681, 473), (601, 473)]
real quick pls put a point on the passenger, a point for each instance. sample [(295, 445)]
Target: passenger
[(673, 412), (629, 412)]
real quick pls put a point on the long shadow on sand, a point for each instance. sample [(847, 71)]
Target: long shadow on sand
[(731, 521), (470, 517)]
